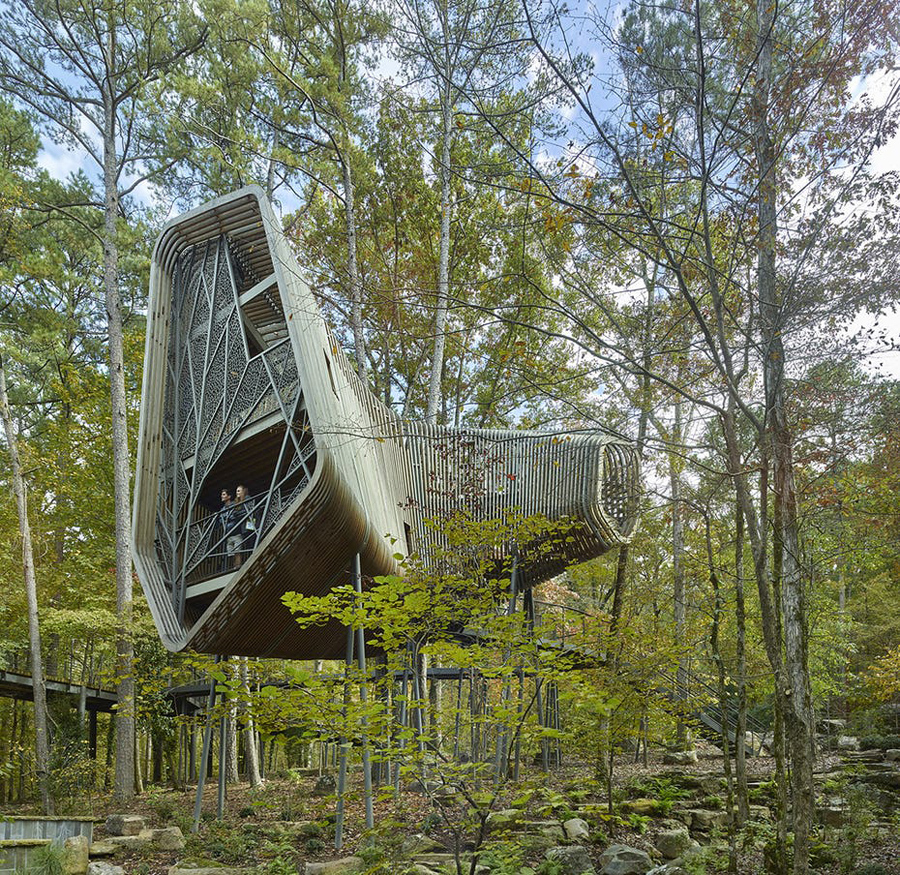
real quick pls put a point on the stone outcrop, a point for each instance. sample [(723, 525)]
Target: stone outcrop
[(125, 824), (75, 855), (101, 867), (624, 860), (577, 830), (680, 758), (344, 866), (672, 843), (572, 860), (168, 839)]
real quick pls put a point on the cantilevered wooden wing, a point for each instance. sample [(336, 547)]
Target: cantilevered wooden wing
[(244, 384)]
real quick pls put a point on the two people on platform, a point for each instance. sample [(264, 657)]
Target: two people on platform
[(238, 520)]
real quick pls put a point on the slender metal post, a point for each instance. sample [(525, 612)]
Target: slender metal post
[(363, 698), (223, 757), (204, 758), (404, 717), (519, 733), (529, 612), (459, 682), (501, 754), (343, 743), (473, 723), (417, 711)]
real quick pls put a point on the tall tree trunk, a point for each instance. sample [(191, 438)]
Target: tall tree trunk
[(5, 739), (740, 758), (443, 285), (794, 691), (678, 594), (770, 620), (231, 758), (356, 318), (251, 752), (619, 588), (41, 737), (723, 700), (125, 769)]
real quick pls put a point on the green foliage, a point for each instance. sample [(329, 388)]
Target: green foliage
[(664, 791), (221, 842), (764, 793), (552, 802), (638, 822), (503, 857), (46, 860), (281, 866), (161, 804), (314, 846)]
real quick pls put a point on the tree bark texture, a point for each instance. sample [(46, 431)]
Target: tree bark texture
[(41, 736), (793, 690), (251, 752), (356, 296), (443, 279), (125, 723), (678, 589)]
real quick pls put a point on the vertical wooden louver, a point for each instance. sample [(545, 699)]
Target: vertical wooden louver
[(243, 382)]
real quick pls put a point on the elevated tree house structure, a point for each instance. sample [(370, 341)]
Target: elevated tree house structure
[(244, 383)]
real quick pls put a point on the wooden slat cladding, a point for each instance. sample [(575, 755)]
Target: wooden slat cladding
[(367, 482)]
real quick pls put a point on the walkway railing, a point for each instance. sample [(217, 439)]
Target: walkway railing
[(73, 661)]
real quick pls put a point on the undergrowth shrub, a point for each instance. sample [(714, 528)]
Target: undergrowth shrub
[(46, 860)]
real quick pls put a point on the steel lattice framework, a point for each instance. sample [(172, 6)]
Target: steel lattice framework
[(243, 382)]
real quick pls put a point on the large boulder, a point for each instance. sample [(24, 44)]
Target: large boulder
[(577, 830), (103, 849), (131, 843), (680, 758), (186, 867), (436, 860), (549, 829), (572, 860), (704, 820), (710, 752), (169, 839), (417, 843), (672, 843), (125, 824), (832, 813), (75, 855), (101, 867), (643, 806), (623, 860), (344, 866), (848, 743)]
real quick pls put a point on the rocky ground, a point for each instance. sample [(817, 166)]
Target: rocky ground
[(666, 819)]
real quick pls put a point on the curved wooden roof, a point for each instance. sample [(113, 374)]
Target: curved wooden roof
[(244, 382)]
